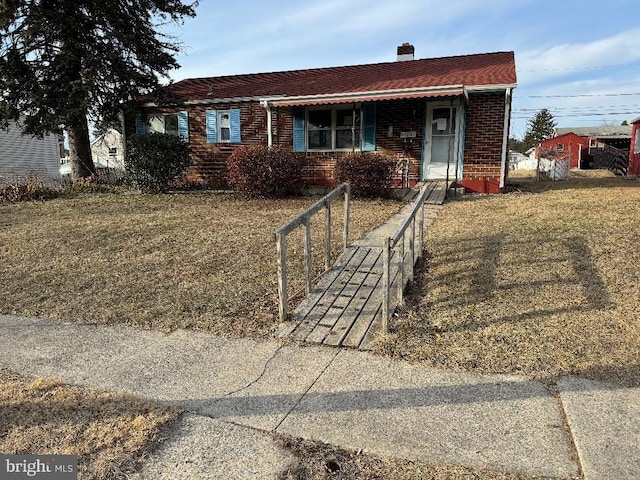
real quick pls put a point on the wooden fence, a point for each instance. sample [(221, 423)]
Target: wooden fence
[(403, 259), (304, 220)]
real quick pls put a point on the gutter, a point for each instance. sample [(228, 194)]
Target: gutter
[(353, 96), (505, 138)]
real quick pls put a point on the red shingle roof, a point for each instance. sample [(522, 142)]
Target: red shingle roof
[(470, 70)]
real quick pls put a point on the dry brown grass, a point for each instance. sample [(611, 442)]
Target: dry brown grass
[(111, 434), (544, 283), (196, 261), (317, 461)]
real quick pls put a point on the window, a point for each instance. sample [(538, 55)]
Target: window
[(224, 130), (223, 126), (345, 128), (559, 147), (636, 148), (170, 123), (164, 124), (335, 128), (113, 151)]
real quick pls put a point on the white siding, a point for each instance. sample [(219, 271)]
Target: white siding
[(102, 158), (24, 155)]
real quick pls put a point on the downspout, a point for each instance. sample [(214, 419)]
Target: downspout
[(505, 139), (267, 107)]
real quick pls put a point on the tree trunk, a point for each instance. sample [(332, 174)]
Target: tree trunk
[(80, 150)]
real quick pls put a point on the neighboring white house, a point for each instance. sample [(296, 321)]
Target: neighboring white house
[(22, 156), (107, 152)]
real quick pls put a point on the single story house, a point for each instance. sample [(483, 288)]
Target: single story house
[(447, 118), (634, 149), (22, 156)]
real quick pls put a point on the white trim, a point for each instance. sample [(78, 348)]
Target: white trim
[(267, 107), (505, 135), (214, 101), (491, 88), (364, 94)]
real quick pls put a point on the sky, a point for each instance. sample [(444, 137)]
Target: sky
[(579, 59)]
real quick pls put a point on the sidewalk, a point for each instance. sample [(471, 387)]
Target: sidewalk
[(348, 398)]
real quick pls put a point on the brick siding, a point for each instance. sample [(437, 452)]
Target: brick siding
[(484, 137), (483, 140)]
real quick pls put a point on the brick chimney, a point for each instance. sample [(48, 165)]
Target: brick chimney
[(406, 51)]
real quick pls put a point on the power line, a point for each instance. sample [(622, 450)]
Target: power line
[(583, 95), (595, 67)]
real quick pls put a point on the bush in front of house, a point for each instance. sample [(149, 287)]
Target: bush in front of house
[(31, 189), (153, 160), (369, 174), (260, 171)]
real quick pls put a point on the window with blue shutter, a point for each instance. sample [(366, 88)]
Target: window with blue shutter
[(140, 124), (211, 120), (299, 141), (234, 125), (183, 126), (368, 127)]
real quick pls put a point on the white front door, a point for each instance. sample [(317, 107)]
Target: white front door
[(441, 140)]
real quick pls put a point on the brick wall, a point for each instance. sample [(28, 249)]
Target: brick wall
[(403, 115), (484, 136), (483, 140)]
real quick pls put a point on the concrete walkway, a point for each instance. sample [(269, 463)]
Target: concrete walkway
[(239, 390)]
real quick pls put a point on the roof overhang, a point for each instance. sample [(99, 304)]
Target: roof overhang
[(370, 96)]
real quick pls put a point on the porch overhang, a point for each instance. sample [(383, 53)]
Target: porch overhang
[(370, 96)]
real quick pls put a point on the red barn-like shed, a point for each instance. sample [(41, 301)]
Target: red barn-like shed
[(575, 146)]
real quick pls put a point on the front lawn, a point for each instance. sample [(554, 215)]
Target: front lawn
[(542, 281), (200, 261)]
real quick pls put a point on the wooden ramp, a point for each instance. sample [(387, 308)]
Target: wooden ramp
[(345, 307)]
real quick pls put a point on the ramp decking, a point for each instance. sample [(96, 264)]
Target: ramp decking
[(345, 307)]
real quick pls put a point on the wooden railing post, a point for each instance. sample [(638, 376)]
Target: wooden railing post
[(281, 248), (345, 233), (400, 263), (327, 240), (386, 301), (421, 231), (308, 266), (412, 247)]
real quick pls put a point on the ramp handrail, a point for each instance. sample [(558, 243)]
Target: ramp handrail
[(304, 220), (414, 253)]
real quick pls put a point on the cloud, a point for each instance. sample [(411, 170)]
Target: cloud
[(543, 64)]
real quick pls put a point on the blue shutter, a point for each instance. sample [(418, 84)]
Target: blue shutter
[(234, 125), (211, 120), (299, 140), (369, 127), (183, 126), (140, 126)]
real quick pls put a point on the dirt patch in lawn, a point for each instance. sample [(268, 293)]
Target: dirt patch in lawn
[(316, 461), (200, 261), (110, 433), (544, 282)]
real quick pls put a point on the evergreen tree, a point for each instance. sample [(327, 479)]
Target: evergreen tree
[(540, 127), (517, 145), (65, 62)]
